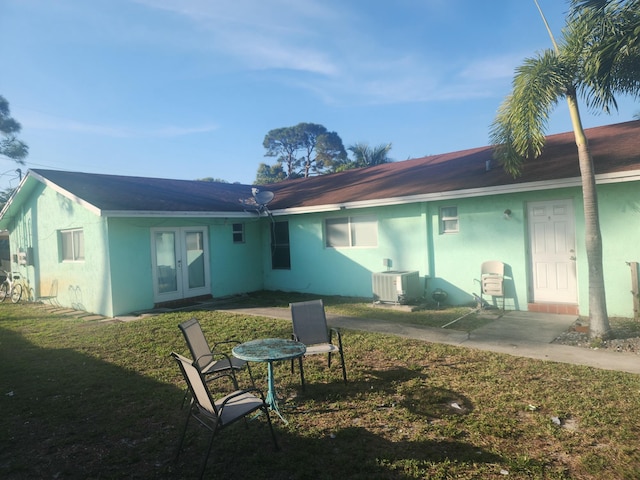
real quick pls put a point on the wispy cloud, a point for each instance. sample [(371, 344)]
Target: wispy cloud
[(404, 81), (41, 121), (280, 34), (337, 62), (177, 131), (492, 68)]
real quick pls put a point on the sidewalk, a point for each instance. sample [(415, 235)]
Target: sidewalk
[(523, 334)]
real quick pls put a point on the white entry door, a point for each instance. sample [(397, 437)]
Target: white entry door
[(180, 263), (553, 256)]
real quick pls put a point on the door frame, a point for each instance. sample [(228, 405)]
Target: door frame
[(182, 290), (554, 296)]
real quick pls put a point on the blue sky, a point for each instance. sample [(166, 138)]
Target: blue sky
[(189, 88)]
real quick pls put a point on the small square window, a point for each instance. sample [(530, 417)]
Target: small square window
[(238, 233), (449, 220)]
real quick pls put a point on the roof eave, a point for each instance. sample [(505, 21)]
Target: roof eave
[(174, 214), (57, 188), (605, 178), (10, 205)]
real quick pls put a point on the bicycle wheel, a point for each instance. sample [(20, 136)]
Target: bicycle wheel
[(4, 288), (16, 293)]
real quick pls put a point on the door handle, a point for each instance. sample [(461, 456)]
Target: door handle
[(572, 258)]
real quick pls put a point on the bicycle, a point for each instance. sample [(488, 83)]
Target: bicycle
[(11, 287)]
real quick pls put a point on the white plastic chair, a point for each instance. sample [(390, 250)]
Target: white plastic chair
[(492, 280)]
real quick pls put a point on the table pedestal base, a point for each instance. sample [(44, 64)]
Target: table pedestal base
[(272, 397)]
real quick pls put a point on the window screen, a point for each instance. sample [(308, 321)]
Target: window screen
[(360, 231), (72, 245)]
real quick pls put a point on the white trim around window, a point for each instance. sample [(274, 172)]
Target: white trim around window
[(238, 232), (449, 222), (72, 245)]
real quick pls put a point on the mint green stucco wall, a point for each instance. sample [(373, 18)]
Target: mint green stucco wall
[(130, 257), (620, 222), (484, 234), (234, 267), (410, 236), (83, 285), (347, 271), (116, 276)]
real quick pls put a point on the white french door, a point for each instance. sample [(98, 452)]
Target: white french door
[(553, 255), (180, 258)]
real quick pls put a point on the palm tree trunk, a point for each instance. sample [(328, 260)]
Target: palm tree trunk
[(598, 318)]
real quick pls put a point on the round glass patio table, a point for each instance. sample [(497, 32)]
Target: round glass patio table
[(270, 350)]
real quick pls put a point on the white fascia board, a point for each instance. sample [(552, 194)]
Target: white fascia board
[(57, 188), (166, 214), (608, 178), (9, 202), (618, 177)]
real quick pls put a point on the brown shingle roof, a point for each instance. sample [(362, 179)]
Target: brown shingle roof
[(615, 148)]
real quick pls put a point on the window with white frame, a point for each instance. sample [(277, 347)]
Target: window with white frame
[(72, 245), (357, 231), (449, 220), (238, 233)]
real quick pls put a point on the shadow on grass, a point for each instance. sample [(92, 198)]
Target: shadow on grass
[(400, 386), (347, 452), (69, 415), (352, 452), (326, 448)]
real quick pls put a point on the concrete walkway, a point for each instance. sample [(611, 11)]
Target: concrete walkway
[(523, 334)]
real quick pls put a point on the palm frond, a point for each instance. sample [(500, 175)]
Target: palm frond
[(380, 154), (518, 132), (608, 33), (366, 156), (578, 7)]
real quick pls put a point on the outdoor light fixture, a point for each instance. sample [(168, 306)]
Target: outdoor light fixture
[(507, 214)]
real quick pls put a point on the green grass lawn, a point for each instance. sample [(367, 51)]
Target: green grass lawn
[(89, 399)]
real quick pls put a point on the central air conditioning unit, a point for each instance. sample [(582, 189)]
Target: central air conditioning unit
[(396, 286)]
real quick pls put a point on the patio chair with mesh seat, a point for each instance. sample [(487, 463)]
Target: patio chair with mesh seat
[(310, 327), (217, 414), (212, 363)]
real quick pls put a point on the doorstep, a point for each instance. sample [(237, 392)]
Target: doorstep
[(556, 308)]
